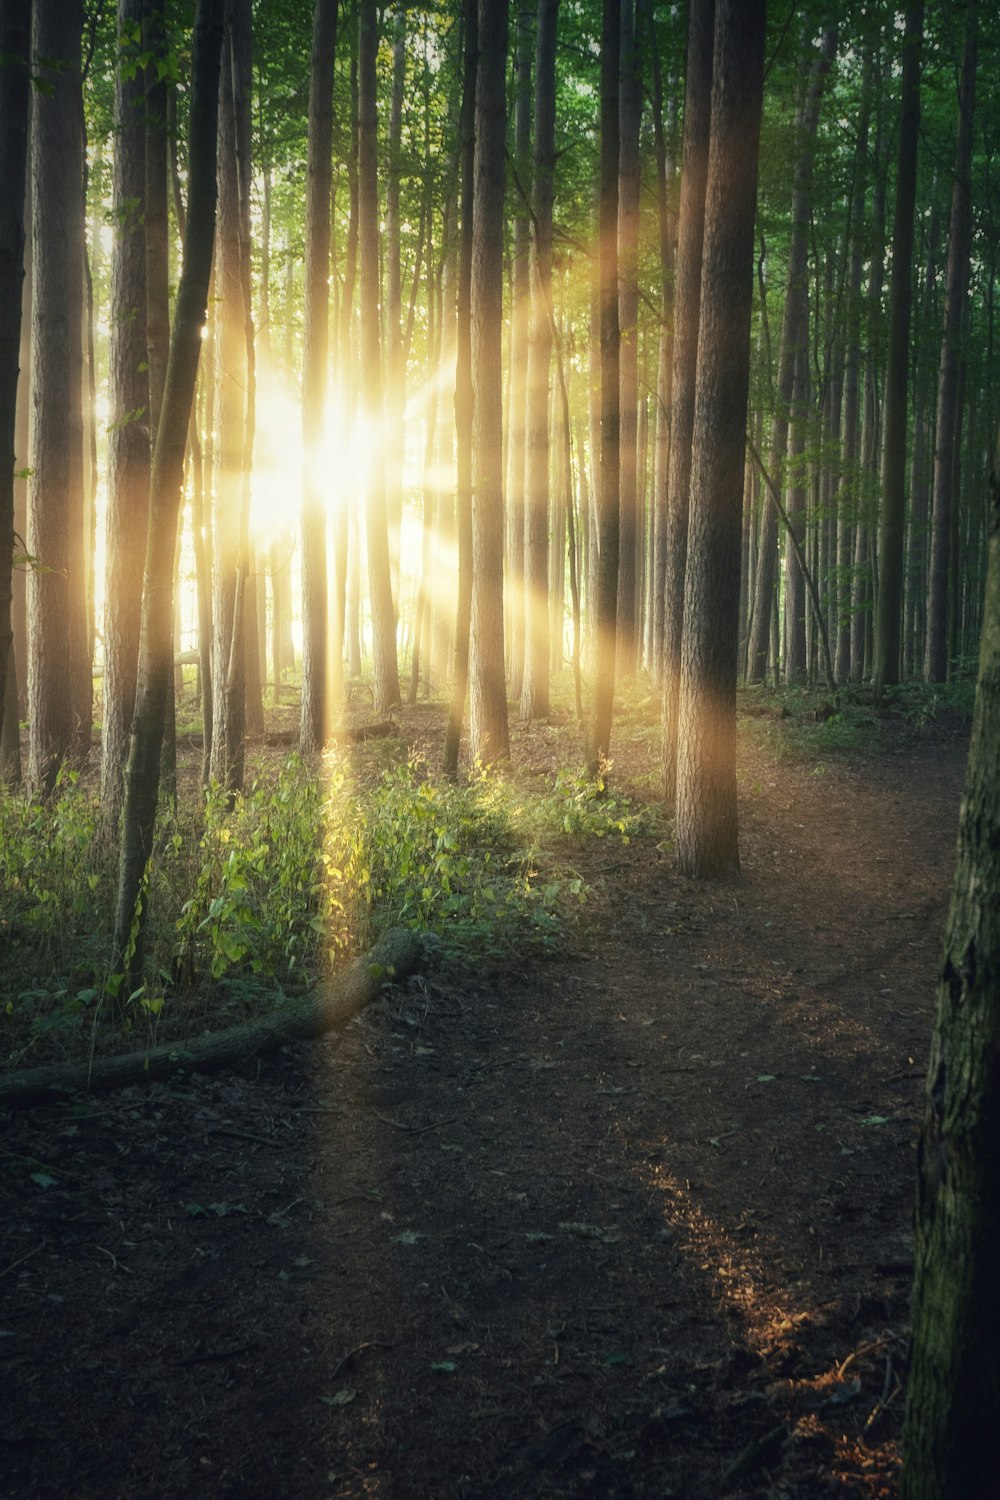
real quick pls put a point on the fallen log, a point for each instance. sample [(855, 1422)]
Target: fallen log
[(326, 1008)]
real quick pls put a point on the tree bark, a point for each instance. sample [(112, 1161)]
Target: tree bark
[(950, 1434), (316, 322), (15, 47), (520, 314), (687, 303), (535, 688), (629, 179), (156, 642), (610, 343), (385, 668), (706, 829), (488, 730), (948, 422), (57, 585), (892, 524)]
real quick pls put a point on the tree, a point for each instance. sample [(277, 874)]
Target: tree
[(15, 43), (629, 181), (610, 343), (687, 302), (706, 830), (489, 733), (948, 409), (130, 429), (386, 671), (316, 322), (888, 622), (535, 689), (950, 1437), (156, 636), (520, 315), (58, 673)]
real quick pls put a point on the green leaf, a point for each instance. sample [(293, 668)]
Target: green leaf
[(875, 1120), (43, 1179), (444, 1367)]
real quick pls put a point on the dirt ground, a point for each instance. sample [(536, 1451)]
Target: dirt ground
[(630, 1222)]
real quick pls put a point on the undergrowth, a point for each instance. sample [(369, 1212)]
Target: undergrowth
[(247, 899)]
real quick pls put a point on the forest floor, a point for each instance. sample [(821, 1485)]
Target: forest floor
[(631, 1221)]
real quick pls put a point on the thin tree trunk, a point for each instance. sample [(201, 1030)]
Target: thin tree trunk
[(892, 525), (959, 240), (610, 336), (155, 652), (629, 178), (315, 709), (520, 314)]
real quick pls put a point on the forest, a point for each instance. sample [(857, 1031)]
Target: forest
[(499, 633)]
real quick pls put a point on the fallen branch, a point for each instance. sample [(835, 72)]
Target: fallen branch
[(326, 1008)]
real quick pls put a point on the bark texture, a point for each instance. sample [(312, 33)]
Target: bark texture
[(950, 1433), (706, 831)]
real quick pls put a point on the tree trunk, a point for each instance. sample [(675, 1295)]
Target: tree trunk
[(15, 48), (385, 669), (156, 639), (488, 731), (520, 313), (948, 423), (794, 335), (707, 843), (537, 642), (687, 302), (610, 343), (463, 392), (319, 171), (950, 1434), (131, 428), (395, 357), (892, 525), (57, 587), (327, 1008), (665, 168), (629, 178)]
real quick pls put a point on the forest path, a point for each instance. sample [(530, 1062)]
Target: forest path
[(585, 1227)]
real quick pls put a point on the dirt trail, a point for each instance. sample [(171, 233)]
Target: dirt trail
[(591, 1227)]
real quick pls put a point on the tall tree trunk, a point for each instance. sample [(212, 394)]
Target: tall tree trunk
[(488, 732), (520, 313), (15, 70), (892, 524), (948, 423), (156, 637), (395, 357), (629, 178), (319, 171), (950, 1433), (232, 381), (535, 688), (385, 669), (463, 392), (795, 584), (794, 334), (610, 338), (131, 429), (57, 588), (687, 302), (665, 169), (707, 843)]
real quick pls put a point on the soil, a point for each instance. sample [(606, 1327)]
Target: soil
[(634, 1221)]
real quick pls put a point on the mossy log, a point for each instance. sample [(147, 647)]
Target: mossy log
[(326, 1008)]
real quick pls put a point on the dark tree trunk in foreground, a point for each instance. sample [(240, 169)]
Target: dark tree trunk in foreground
[(948, 424), (687, 302), (950, 1434), (608, 485), (706, 834), (463, 393), (15, 46), (892, 526), (385, 668), (489, 737), (58, 695), (130, 431), (156, 641), (316, 322)]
